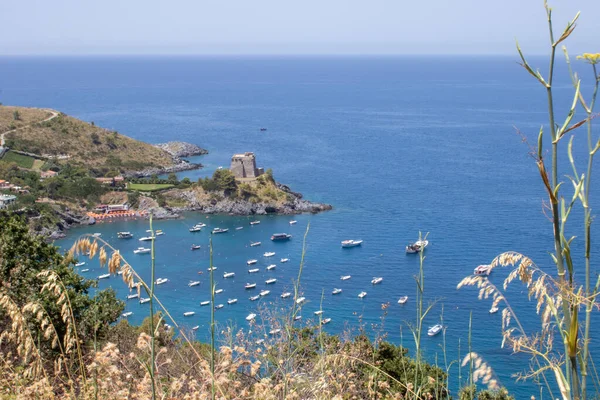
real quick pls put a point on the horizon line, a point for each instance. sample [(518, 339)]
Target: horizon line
[(259, 55)]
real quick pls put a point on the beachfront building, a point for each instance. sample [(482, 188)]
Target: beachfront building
[(4, 184), (6, 200), (243, 167)]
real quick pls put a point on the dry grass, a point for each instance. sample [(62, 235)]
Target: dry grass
[(27, 116)]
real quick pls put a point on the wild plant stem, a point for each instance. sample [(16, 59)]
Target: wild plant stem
[(212, 321), (152, 329)]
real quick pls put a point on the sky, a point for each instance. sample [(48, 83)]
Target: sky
[(285, 27)]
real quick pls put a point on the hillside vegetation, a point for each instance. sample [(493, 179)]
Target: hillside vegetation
[(17, 117), (83, 144)]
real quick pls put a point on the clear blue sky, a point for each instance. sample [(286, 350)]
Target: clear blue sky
[(288, 27)]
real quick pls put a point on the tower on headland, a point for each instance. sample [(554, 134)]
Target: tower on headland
[(243, 167)]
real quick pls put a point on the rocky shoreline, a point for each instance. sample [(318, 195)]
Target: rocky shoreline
[(182, 165), (181, 149)]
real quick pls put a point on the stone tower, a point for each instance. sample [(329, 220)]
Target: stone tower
[(243, 166)]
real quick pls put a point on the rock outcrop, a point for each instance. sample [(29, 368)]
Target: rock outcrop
[(182, 149)]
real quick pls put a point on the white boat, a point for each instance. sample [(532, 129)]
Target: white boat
[(362, 294), (231, 301), (483, 270), (251, 262), (434, 330), (318, 312), (211, 268), (260, 341), (254, 222), (270, 281), (196, 328), (80, 264), (336, 291), (280, 237), (346, 277), (205, 303), (239, 228), (254, 244), (228, 275), (104, 276), (376, 280), (253, 270), (254, 298), (274, 331), (297, 317), (160, 281), (124, 235), (133, 296), (417, 246), (218, 291), (142, 250), (147, 238), (127, 314), (269, 254), (300, 300), (200, 225), (144, 300), (188, 313), (494, 310), (351, 243), (96, 234), (219, 230), (264, 292), (159, 232), (85, 270), (293, 222), (120, 272), (220, 167), (195, 247), (219, 306), (250, 317), (193, 283), (270, 267), (250, 285), (326, 321), (285, 295), (284, 260), (195, 229), (403, 300)]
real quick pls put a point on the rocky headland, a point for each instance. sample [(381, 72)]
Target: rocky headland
[(182, 149)]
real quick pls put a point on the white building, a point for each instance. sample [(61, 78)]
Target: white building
[(6, 200)]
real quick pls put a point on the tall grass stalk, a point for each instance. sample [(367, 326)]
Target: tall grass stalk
[(152, 328), (212, 320)]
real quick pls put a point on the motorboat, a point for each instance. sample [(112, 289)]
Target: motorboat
[(318, 312), (251, 262), (269, 254), (228, 275), (270, 281), (142, 250), (274, 331), (297, 317), (219, 230), (127, 314), (133, 296), (96, 234), (280, 237), (270, 267), (147, 238), (250, 285), (483, 270), (434, 330), (254, 298), (193, 283), (160, 281), (300, 300), (336, 291), (219, 306), (403, 300), (260, 341), (254, 222), (104, 276), (351, 243), (144, 300), (346, 277), (80, 264), (376, 280), (218, 291), (188, 313), (196, 328), (253, 270), (417, 246), (264, 292), (85, 270), (195, 247), (211, 268), (124, 235), (293, 222), (285, 295), (195, 229), (494, 310), (284, 260), (200, 225), (205, 303), (220, 167), (231, 301), (159, 232), (362, 294), (250, 317), (254, 244), (326, 321), (239, 228)]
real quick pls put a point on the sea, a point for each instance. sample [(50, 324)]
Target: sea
[(400, 146)]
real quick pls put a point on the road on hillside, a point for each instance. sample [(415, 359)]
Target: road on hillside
[(54, 115)]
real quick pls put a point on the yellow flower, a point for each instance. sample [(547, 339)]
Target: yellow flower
[(590, 58)]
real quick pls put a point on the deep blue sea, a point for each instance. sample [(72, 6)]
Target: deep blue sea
[(396, 145)]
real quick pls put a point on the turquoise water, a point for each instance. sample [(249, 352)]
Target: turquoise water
[(396, 145)]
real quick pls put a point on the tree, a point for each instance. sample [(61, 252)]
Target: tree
[(16, 115), (225, 181), (172, 178)]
